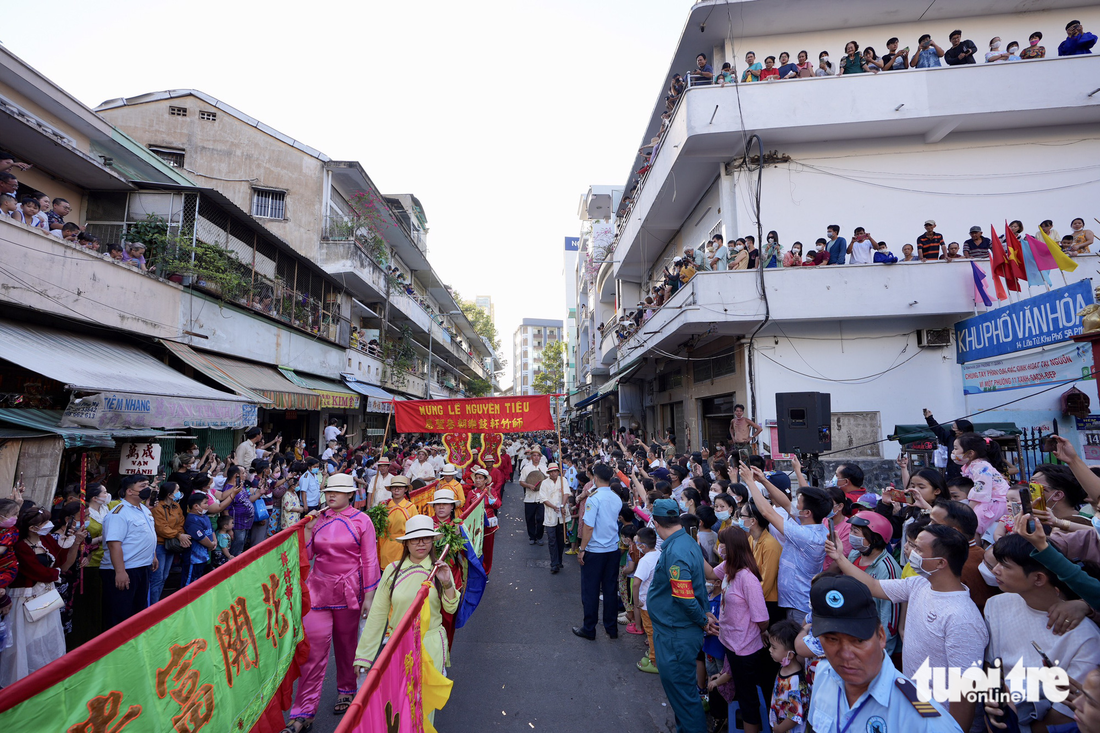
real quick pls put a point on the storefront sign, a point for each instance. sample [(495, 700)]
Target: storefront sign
[(1089, 428), (108, 410), (1060, 364), (338, 400), (376, 404), (1045, 319), (478, 415), (143, 458)]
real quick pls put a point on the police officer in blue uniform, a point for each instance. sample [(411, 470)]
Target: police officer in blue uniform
[(678, 606), (859, 690)]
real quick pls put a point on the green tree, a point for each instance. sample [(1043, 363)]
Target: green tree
[(551, 379), (478, 387), (480, 320)]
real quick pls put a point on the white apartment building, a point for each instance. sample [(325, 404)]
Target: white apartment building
[(970, 145), (528, 341), (569, 336), (485, 303)]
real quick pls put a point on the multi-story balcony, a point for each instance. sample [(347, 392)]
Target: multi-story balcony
[(729, 303), (901, 112)]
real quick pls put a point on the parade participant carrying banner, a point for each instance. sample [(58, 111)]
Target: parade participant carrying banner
[(221, 654), (477, 415)]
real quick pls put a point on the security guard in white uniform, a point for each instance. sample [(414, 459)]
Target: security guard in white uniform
[(859, 690)]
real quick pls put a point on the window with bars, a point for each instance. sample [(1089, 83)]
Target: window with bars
[(721, 366), (177, 111), (268, 204), (670, 380), (170, 156), (208, 116)]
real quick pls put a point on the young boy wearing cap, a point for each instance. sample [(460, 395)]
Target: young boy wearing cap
[(858, 688)]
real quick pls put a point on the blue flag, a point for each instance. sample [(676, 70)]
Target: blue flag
[(475, 584), (979, 286)]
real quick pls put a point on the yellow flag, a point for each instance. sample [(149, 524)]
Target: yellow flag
[(435, 688), (1064, 262)]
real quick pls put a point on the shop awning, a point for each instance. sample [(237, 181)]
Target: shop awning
[(378, 399), (334, 395), (906, 434), (122, 386), (268, 381), (613, 383), (589, 400), (49, 421), (201, 363)]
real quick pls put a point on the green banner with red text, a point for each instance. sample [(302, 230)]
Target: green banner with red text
[(475, 415), (220, 655)]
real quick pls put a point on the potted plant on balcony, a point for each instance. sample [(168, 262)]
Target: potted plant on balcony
[(210, 268)]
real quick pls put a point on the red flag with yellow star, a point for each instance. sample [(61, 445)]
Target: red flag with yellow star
[(1001, 265)]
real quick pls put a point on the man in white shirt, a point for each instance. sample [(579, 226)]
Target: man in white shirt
[(532, 505), (942, 624), (861, 249), (378, 490), (1020, 615), (333, 433), (437, 460), (421, 468), (552, 495)]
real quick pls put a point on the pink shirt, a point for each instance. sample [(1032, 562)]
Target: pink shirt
[(346, 560), (989, 497), (742, 607)]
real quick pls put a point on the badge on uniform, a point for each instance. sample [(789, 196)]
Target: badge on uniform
[(680, 588), (876, 725), (926, 709)]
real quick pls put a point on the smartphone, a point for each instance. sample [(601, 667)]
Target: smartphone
[(897, 496), (1025, 508), (1038, 501), (1050, 444), (832, 534)]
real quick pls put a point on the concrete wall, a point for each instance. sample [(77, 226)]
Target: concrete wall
[(56, 277), (230, 149)]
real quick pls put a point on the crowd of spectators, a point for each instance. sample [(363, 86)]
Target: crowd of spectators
[(956, 567), (928, 54)]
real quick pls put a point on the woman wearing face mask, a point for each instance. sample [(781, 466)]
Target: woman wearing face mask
[(1034, 50), (869, 538), (766, 551), (793, 257), (690, 498), (995, 53), (41, 561), (840, 522), (725, 510), (168, 518), (88, 604), (772, 250)]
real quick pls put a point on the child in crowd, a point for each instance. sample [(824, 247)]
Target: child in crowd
[(8, 205), (628, 558), (115, 252), (883, 255), (197, 526), (571, 536), (28, 214), (790, 695), (725, 76), (959, 487), (225, 539), (646, 541), (981, 462)]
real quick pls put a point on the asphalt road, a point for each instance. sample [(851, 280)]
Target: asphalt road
[(518, 668)]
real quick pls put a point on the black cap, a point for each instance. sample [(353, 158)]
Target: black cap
[(843, 605)]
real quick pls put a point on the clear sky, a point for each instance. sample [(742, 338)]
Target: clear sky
[(497, 114)]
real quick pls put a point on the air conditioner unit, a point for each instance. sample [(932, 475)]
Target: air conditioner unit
[(928, 338)]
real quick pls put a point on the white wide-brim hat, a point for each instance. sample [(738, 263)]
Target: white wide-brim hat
[(340, 482), (449, 470), (417, 527), (444, 496)]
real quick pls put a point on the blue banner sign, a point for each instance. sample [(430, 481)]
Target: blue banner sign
[(572, 244), (1045, 319)]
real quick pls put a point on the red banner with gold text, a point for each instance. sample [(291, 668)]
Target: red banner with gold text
[(476, 415)]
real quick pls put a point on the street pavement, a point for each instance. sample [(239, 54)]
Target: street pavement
[(518, 668)]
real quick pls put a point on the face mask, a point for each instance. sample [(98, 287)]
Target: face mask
[(195, 453), (831, 482), (958, 459), (918, 564), (741, 524), (315, 470), (683, 506), (994, 46), (45, 528), (722, 516), (1034, 41), (7, 522), (987, 575), (177, 496), (856, 542)]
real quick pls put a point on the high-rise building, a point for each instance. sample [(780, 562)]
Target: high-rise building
[(881, 156), (530, 338), (485, 303)]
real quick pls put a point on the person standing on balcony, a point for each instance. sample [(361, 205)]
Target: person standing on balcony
[(861, 247), (895, 59), (753, 68), (793, 258), (836, 245), (824, 66), (787, 70), (851, 62), (929, 54), (1077, 41), (703, 73), (772, 250), (753, 252), (1034, 50), (961, 52), (995, 53), (978, 246), (721, 260), (930, 243)]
